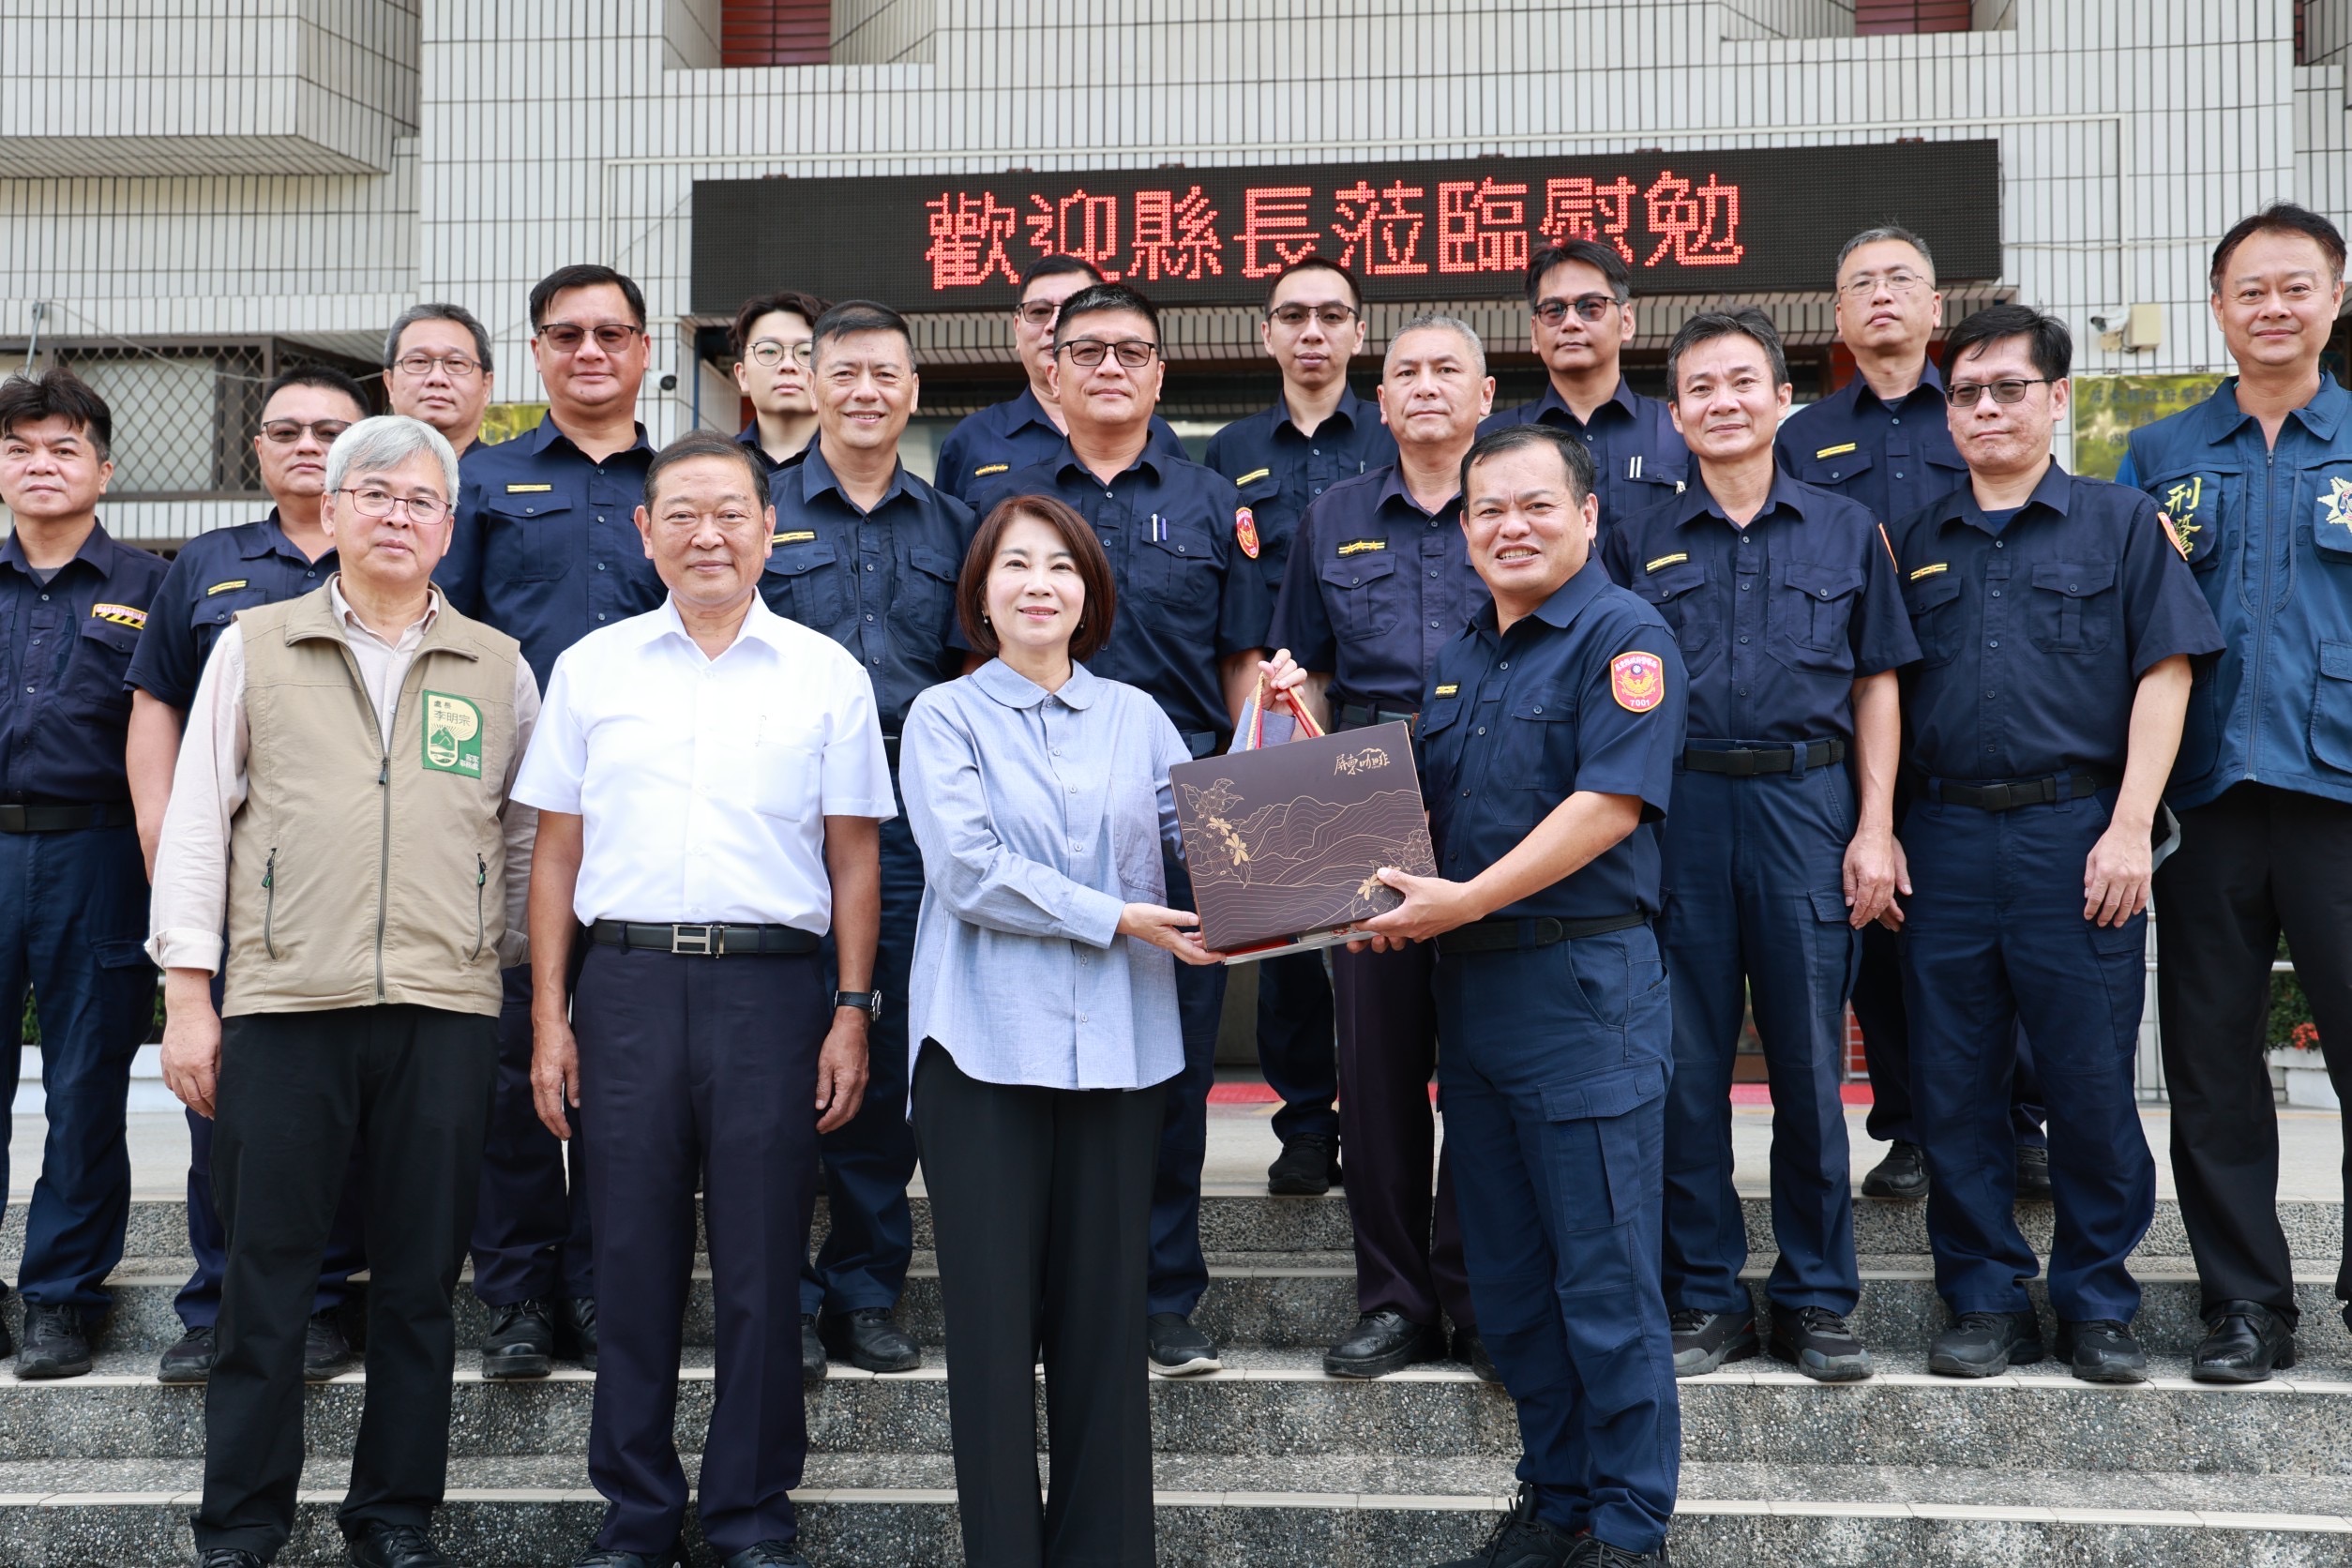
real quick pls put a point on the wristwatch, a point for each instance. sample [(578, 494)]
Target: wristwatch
[(868, 1002)]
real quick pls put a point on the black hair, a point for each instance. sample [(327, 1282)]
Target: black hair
[(807, 307), (1879, 234), (1575, 456), (1708, 325), (707, 444), (1098, 298), (1055, 266), (2282, 218), (30, 399), (857, 315), (586, 274), (326, 378), (1598, 254), (1312, 262), (437, 310), (2051, 346)]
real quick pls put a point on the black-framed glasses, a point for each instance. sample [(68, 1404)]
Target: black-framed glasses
[(768, 352), (1589, 308), (2008, 389), (1901, 280), (458, 366), (566, 337), (1087, 353), (1039, 312), (285, 432), (1331, 317), (374, 501)]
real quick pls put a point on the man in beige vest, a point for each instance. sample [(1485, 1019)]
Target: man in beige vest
[(341, 807)]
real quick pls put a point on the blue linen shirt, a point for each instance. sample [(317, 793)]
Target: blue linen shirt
[(1587, 693), (880, 583), (1776, 621), (2034, 630), (1040, 816), (1011, 435), (1893, 458), (1376, 587), (544, 544), (65, 646), (214, 576), (2269, 540), (1636, 451), (1279, 470)]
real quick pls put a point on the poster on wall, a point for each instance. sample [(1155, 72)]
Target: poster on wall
[(2107, 409)]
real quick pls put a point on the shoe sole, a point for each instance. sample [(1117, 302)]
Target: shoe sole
[(515, 1369), (1288, 1188), (51, 1371), (1824, 1369), (1887, 1189), (1381, 1366), (1192, 1368), (1739, 1348), (2110, 1374), (2024, 1353), (2242, 1374), (181, 1379), (837, 1351)]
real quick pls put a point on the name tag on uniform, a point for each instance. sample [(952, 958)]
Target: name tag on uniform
[(1449, 688), (234, 583), (1931, 571), (798, 536), (453, 735), (986, 469), (1253, 475), (1838, 451), (1668, 561), (121, 614), (527, 490), (1362, 546)]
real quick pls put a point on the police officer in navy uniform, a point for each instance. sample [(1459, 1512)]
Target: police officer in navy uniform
[(771, 338), (1547, 743), (544, 548), (1019, 431), (1881, 440), (73, 891), (1316, 433), (867, 553), (1580, 314), (1191, 629), (1379, 581), (282, 556), (1785, 603), (2055, 625), (2257, 484)]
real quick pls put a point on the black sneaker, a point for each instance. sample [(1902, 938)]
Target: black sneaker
[(1469, 1348), (190, 1361), (812, 1350), (576, 1330), (868, 1338), (1817, 1342), (226, 1557), (1986, 1343), (1177, 1349), (1594, 1553), (1520, 1540), (56, 1345), (1381, 1343), (520, 1343), (1703, 1341), (2102, 1351), (1902, 1174), (1308, 1167), (327, 1354), (767, 1554), (2034, 1171)]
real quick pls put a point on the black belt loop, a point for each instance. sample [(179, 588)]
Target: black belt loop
[(717, 940)]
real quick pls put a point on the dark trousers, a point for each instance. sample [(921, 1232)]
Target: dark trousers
[(296, 1089), (1295, 1048), (1179, 1274), (1886, 1033), (1996, 937), (1042, 1200), (1408, 1246), (2252, 864), (73, 911), (699, 1073), (1756, 917), (1554, 1080), (870, 1235), (199, 1301), (532, 1237)]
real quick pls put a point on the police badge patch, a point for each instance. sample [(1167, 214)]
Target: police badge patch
[(2333, 529), (1637, 681), (1245, 532)]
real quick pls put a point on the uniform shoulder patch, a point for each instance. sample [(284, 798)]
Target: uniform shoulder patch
[(230, 586), (1362, 546), (527, 490), (1245, 530), (987, 468), (798, 536), (1837, 451), (1253, 475), (121, 614), (1664, 561), (1918, 572), (2172, 534), (1637, 681)]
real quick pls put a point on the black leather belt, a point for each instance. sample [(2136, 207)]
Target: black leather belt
[(1363, 716), (890, 750), (64, 818), (713, 941), (1503, 936), (1746, 761), (2079, 784)]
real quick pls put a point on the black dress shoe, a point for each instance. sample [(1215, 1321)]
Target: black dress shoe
[(520, 1343), (767, 1554), (1520, 1540), (1308, 1167), (2102, 1351), (7, 1340), (55, 1344), (2033, 1171), (325, 1353), (812, 1350), (576, 1330), (1986, 1343), (376, 1545), (1593, 1553), (1469, 1348), (1817, 1342), (1902, 1174), (867, 1338), (190, 1361), (608, 1558), (226, 1557), (1384, 1342), (2244, 1343), (1177, 1349), (1703, 1341)]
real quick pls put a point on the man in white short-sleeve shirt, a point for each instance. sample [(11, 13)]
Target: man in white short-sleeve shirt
[(711, 783)]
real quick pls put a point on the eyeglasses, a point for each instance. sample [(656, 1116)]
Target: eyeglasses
[(1087, 353), (458, 366), (566, 337), (285, 432), (1589, 308), (1902, 280), (1039, 312), (1965, 394), (369, 501), (768, 352), (1332, 317)]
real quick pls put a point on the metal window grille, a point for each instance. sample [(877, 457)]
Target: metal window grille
[(1872, 17), (775, 33)]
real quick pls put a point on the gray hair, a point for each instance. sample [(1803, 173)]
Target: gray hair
[(1428, 319), (387, 441), (438, 312), (1874, 236)]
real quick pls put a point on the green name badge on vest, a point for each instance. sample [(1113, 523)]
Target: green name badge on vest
[(453, 735)]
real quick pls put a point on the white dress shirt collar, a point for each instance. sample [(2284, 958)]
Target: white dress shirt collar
[(1013, 689)]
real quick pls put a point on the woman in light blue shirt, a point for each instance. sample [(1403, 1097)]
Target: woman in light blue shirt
[(1042, 1011)]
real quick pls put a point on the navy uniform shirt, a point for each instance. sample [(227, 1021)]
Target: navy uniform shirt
[(1776, 621), (1893, 458), (1376, 587), (1012, 435), (545, 547), (750, 436), (2268, 534), (65, 646), (1280, 471), (1640, 459), (2034, 630), (880, 583), (1584, 694), (214, 576), (1188, 597)]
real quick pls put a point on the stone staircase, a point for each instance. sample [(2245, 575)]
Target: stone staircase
[(1274, 1464)]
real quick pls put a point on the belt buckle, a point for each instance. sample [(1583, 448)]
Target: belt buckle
[(1742, 761), (695, 940)]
